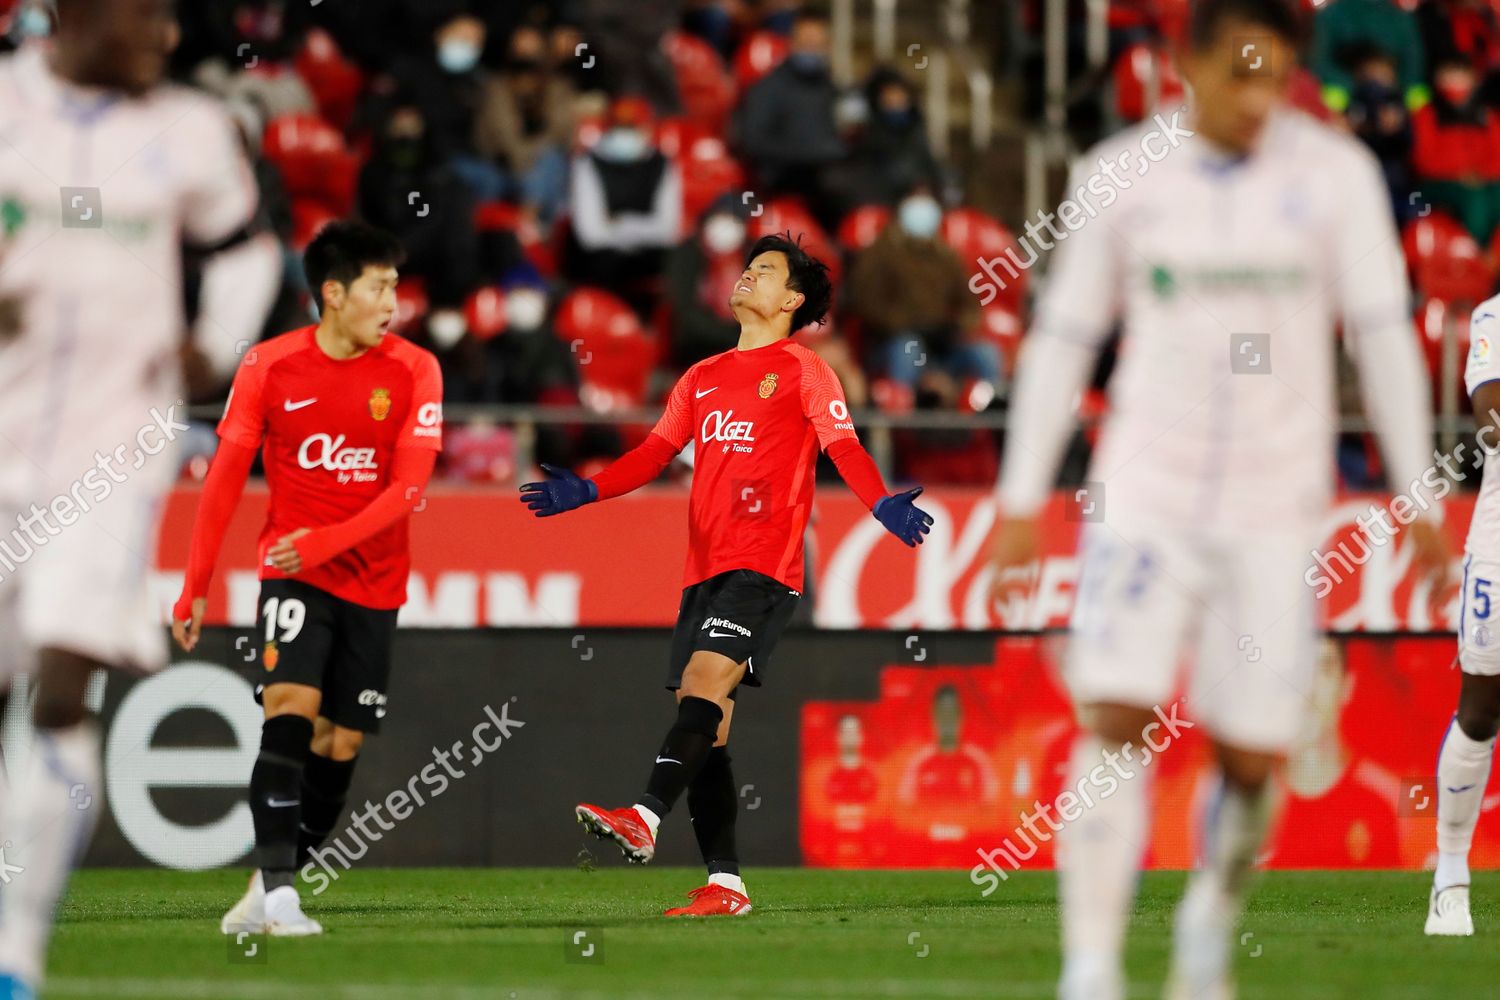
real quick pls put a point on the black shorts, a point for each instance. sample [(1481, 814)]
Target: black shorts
[(740, 613), (311, 637)]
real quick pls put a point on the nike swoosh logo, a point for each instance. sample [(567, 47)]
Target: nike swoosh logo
[(1455, 791), (290, 406), (667, 760), (705, 392), (281, 803), (716, 634)]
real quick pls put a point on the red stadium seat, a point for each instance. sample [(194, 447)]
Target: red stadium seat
[(757, 56), (308, 216), (675, 137), (411, 306), (1445, 262), (1002, 327), (788, 214), (704, 86), (968, 459), (975, 236), (1133, 73), (615, 355), (485, 313), (861, 226), (708, 171), (479, 453), (313, 160), (1433, 317), (335, 82)]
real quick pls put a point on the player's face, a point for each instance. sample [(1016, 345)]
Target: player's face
[(124, 44), (367, 306), (761, 291), (1238, 81)]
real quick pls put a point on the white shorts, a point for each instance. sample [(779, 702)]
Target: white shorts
[(1143, 595), (85, 586), (1479, 617)]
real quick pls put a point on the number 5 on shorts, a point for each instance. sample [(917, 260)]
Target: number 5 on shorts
[(1481, 598), (289, 613)]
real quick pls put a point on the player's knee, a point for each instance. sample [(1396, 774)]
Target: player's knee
[(710, 676), (1246, 771), (292, 699), (1479, 707), (62, 682), (344, 744)]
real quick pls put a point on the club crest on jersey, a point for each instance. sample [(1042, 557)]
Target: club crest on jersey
[(270, 655), (767, 385), (380, 403)]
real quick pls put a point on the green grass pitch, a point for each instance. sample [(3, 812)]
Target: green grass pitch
[(425, 934)]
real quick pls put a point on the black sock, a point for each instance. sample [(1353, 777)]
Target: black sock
[(276, 796), (713, 802), (325, 786), (682, 753)]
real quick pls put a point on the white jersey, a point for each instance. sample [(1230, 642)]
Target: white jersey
[(1484, 366), (1230, 276), (98, 194)]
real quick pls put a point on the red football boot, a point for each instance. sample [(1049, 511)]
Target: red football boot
[(624, 826), (713, 901)]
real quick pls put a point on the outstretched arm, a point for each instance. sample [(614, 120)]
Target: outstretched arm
[(221, 494), (563, 490), (823, 403)]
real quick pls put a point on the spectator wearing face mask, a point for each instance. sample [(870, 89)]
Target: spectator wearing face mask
[(787, 127), (920, 319), (436, 228), (892, 155), (446, 82), (526, 122), (626, 208), (1457, 150), (701, 275), (1378, 116), (529, 364)]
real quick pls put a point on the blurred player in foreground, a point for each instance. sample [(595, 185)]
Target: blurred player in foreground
[(1229, 263), (350, 417), (1468, 744), (756, 417), (104, 174)]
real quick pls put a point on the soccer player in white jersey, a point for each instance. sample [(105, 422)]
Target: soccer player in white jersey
[(1229, 262), (1469, 741), (104, 175)]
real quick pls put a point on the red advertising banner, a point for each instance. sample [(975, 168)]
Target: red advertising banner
[(481, 559), (943, 767)]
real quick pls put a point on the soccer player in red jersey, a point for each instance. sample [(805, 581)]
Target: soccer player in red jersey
[(756, 416), (349, 419)]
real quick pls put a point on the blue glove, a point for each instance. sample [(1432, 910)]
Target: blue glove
[(902, 517), (563, 491)]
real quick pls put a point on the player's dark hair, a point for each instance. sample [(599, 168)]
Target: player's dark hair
[(343, 249), (1280, 17), (805, 274)]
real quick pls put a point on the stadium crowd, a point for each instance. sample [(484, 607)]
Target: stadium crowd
[(576, 182)]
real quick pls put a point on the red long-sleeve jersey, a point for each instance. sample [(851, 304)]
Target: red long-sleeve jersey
[(347, 445), (756, 420)]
